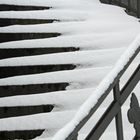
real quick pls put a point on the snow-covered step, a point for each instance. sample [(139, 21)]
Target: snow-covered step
[(6, 112), (24, 134), (102, 31), (59, 61), (62, 100), (10, 7), (55, 3), (52, 122), (5, 37), (10, 21), (95, 58), (57, 101), (73, 27), (26, 126), (52, 81), (70, 12), (88, 41), (16, 52), (57, 14), (24, 70), (79, 75), (46, 121)]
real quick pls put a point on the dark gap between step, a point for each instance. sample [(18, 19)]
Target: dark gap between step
[(22, 135), (24, 70), (12, 21), (17, 52), (9, 7), (6, 37), (13, 90), (6, 112)]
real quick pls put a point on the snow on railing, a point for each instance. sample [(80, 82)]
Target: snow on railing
[(111, 81)]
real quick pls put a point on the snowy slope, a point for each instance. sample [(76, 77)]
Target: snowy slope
[(103, 33)]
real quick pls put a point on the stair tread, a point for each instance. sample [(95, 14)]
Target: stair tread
[(61, 99), (92, 57), (58, 14), (101, 41), (84, 25), (84, 75), (48, 121)]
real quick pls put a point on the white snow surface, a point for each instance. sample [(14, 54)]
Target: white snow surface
[(70, 76), (50, 3), (60, 99), (89, 41), (104, 34), (91, 101), (37, 121), (94, 58)]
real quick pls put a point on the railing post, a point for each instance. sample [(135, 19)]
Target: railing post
[(120, 2), (75, 137), (110, 1), (118, 117), (138, 8), (129, 6), (134, 115)]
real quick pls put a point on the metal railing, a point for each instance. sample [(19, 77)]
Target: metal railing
[(132, 6), (114, 109), (134, 115)]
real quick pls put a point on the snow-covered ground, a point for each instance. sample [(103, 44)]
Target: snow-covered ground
[(106, 36)]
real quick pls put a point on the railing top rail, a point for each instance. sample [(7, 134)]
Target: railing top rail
[(91, 105)]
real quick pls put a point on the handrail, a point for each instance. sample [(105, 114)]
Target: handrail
[(114, 110)]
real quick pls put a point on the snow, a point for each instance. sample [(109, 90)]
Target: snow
[(54, 3), (46, 14), (103, 34), (91, 101), (62, 100), (93, 41), (96, 58), (97, 22), (40, 121), (70, 76), (81, 27)]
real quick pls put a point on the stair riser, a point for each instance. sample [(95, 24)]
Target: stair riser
[(8, 53), (24, 135), (6, 112), (6, 91), (7, 22), (5, 7), (23, 70), (5, 37)]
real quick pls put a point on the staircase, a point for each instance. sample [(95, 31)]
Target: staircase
[(53, 55)]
